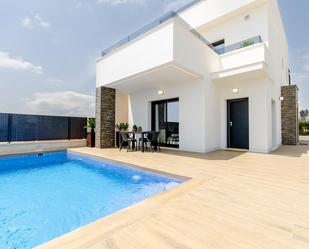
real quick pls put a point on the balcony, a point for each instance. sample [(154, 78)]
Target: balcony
[(239, 45), (168, 52), (248, 58)]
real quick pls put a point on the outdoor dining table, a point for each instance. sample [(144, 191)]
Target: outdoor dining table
[(142, 134)]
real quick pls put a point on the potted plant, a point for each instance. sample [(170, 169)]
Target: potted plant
[(91, 135), (246, 43), (120, 127), (140, 129), (134, 128)]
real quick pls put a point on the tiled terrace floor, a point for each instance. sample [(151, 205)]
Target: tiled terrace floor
[(233, 201)]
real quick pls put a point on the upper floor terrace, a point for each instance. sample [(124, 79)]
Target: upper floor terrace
[(170, 50)]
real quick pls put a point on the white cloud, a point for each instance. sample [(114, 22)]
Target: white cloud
[(167, 5), (299, 77), (62, 103), (54, 80), (118, 2), (27, 22), (85, 6), (8, 62), (35, 21), (305, 55), (305, 60), (306, 67), (174, 5)]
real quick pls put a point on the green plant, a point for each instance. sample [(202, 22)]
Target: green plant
[(246, 43), (122, 127), (118, 126), (90, 123), (135, 127), (304, 127), (125, 126)]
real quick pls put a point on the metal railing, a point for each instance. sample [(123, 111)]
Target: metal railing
[(245, 43), (23, 127), (149, 27)]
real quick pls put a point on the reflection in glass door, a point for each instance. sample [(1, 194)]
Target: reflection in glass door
[(165, 119)]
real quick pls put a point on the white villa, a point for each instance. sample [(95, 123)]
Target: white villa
[(209, 76)]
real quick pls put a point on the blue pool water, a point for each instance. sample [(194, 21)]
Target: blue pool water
[(43, 197)]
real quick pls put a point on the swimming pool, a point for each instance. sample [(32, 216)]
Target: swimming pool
[(45, 196)]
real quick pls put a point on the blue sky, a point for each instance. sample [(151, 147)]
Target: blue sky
[(48, 48), (295, 17)]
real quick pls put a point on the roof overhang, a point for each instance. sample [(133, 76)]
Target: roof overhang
[(168, 74)]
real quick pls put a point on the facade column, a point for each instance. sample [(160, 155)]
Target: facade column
[(289, 115), (105, 117)]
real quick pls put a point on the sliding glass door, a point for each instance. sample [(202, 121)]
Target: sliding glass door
[(165, 119)]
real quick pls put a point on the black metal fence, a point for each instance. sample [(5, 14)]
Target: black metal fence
[(23, 127)]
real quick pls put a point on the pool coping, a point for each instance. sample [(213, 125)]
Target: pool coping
[(129, 165), (122, 164), (32, 153)]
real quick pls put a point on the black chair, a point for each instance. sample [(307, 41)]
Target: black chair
[(145, 141), (152, 140), (127, 141)]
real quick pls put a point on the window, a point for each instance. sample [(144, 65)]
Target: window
[(219, 46), (165, 119)]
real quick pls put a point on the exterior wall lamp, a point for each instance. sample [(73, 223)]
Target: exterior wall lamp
[(235, 90), (281, 98), (161, 92)]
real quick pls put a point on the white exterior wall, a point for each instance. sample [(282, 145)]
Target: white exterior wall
[(265, 21), (256, 90), (198, 113), (258, 72), (108, 67), (277, 45), (235, 28), (197, 98), (278, 64), (200, 57), (122, 108), (245, 56), (164, 46), (210, 12), (191, 123)]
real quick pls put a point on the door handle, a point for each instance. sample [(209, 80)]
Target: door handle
[(231, 123)]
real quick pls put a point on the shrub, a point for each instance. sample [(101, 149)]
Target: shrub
[(122, 126), (134, 128), (246, 43), (304, 127), (90, 123)]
